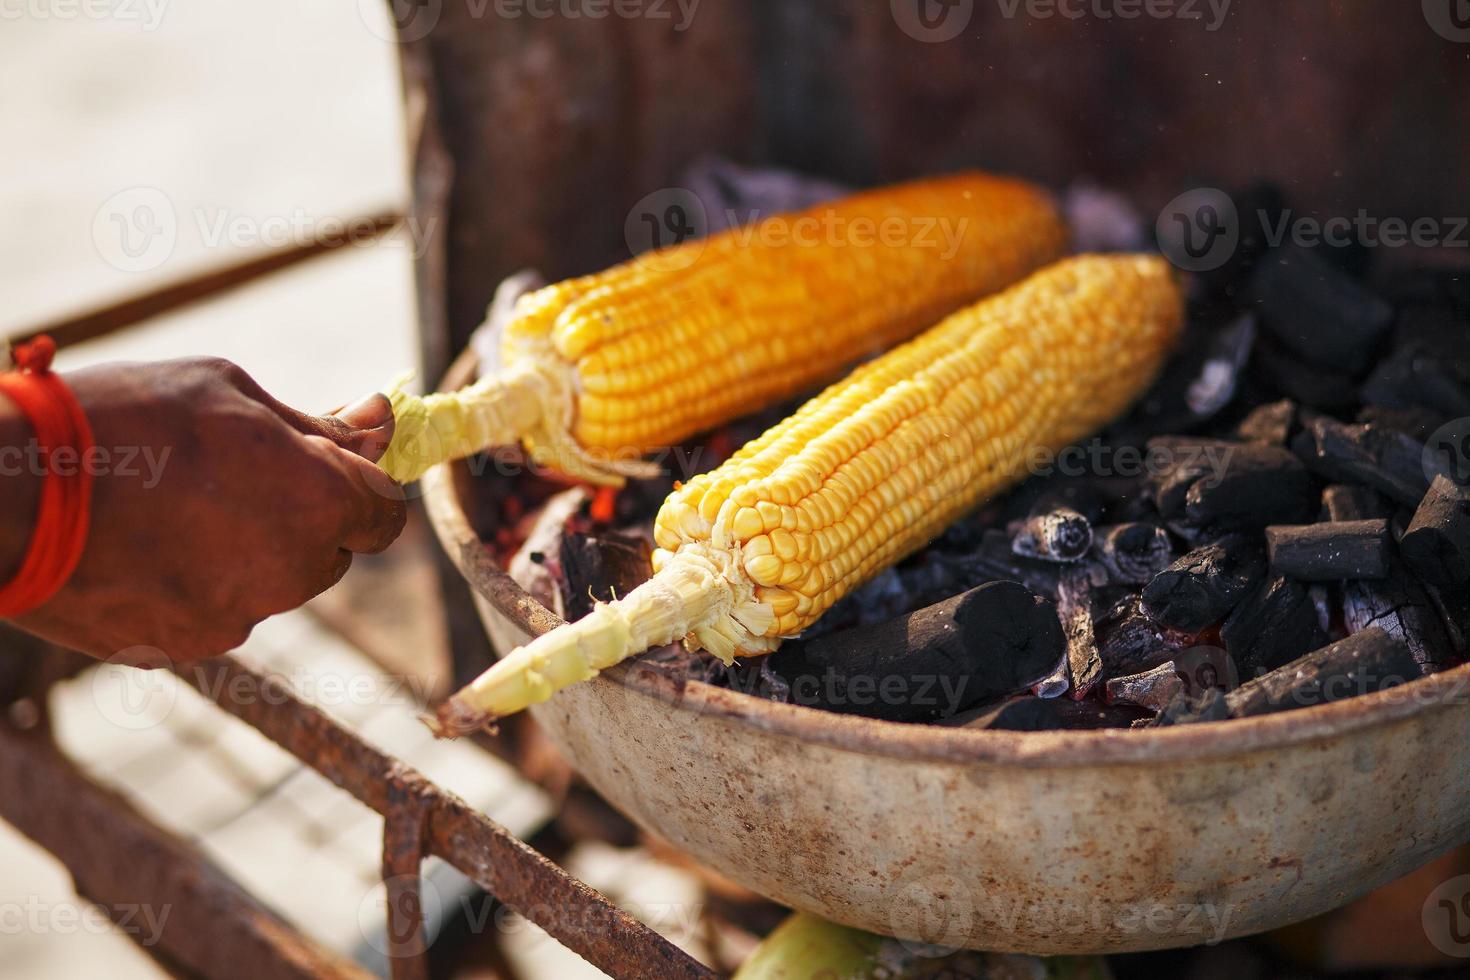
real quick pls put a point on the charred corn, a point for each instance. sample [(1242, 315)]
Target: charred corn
[(602, 369), (866, 473)]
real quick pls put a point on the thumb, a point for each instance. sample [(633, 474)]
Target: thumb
[(369, 424)]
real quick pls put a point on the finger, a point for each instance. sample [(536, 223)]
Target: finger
[(365, 427), (375, 511)]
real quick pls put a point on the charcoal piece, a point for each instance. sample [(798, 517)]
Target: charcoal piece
[(1074, 609), (1085, 496), (1261, 207), (1176, 463), (1329, 551), (1273, 625), (1028, 714), (1436, 544), (1453, 607), (1259, 485), (1201, 588), (1416, 423), (1365, 662), (1133, 553), (994, 559), (1402, 607), (1060, 535), (1186, 709), (1320, 387), (992, 641), (1317, 311), (1224, 357), (1416, 376), (1387, 461), (1273, 423), (601, 567), (1129, 640), (1351, 502), (1152, 689)]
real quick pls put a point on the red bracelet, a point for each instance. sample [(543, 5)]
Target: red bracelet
[(66, 500)]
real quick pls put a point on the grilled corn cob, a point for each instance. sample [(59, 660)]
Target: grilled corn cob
[(866, 473), (600, 370)]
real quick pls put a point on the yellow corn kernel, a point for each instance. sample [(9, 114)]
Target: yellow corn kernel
[(1061, 353), (605, 368)]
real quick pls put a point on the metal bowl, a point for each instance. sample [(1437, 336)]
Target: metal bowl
[(1042, 843)]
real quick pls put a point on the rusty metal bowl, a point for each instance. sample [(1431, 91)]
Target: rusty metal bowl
[(1043, 843)]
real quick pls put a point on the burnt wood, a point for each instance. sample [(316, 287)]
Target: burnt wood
[(1388, 461), (1437, 543), (1367, 661), (991, 641), (1273, 625), (1330, 550), (1351, 502), (1201, 588), (1317, 310)]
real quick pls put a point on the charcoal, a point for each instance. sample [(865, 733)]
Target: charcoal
[(1350, 502), (1058, 535), (1273, 625), (1201, 588), (1387, 461), (1273, 423), (995, 559), (1259, 485), (1416, 423), (991, 641), (1152, 689), (1129, 640), (1217, 377), (1074, 608), (1176, 463), (1367, 661), (1436, 544), (1416, 376), (1085, 496), (1185, 709), (1453, 607), (1320, 387), (1133, 553), (1317, 311), (1403, 608), (1260, 200), (600, 567), (1030, 714), (1329, 551)]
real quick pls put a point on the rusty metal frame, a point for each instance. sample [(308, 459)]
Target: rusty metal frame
[(117, 857)]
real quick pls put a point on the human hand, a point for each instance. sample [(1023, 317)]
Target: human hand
[(214, 507)]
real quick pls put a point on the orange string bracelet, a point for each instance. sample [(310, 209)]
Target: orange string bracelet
[(65, 511)]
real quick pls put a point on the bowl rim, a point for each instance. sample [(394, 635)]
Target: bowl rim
[(694, 700)]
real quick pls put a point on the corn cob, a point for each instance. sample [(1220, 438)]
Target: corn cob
[(866, 473), (602, 369)]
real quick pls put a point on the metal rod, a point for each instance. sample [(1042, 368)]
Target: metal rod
[(580, 918), (403, 855), (170, 898)]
